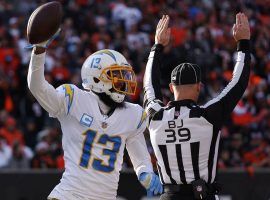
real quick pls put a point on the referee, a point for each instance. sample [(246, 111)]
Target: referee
[(184, 135)]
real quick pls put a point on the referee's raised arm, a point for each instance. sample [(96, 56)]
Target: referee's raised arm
[(219, 108), (152, 92)]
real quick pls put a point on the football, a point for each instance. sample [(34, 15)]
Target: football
[(44, 22)]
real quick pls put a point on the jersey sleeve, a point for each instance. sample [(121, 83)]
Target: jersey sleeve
[(51, 99), (152, 92), (219, 108), (136, 146), (139, 154)]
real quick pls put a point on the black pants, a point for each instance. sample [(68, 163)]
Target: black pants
[(178, 196)]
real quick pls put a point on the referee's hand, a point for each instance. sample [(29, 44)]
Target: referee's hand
[(241, 29), (163, 32)]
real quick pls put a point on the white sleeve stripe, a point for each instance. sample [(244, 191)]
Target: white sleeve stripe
[(151, 55), (237, 72), (148, 87), (214, 171)]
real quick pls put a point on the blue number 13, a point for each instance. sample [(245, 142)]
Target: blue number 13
[(97, 164)]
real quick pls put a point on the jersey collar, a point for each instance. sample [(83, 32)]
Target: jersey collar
[(184, 102)]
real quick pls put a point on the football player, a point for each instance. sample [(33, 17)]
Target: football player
[(97, 124)]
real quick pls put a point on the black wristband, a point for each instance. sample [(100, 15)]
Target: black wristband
[(157, 47), (243, 45)]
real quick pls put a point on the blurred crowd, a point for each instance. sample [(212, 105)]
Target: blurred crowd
[(201, 33)]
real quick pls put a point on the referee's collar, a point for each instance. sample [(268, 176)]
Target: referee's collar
[(184, 102)]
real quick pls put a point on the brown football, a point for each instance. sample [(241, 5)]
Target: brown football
[(44, 22)]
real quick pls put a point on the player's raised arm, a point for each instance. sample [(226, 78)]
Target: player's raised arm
[(48, 97), (152, 92), (40, 38), (220, 107), (42, 29)]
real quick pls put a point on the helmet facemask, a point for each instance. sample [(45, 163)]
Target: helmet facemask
[(122, 78)]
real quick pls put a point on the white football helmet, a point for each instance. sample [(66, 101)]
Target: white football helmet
[(108, 71)]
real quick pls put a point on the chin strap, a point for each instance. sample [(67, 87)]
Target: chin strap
[(118, 98)]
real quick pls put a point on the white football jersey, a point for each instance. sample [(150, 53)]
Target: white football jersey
[(93, 145)]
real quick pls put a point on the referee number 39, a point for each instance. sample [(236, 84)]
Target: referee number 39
[(177, 133)]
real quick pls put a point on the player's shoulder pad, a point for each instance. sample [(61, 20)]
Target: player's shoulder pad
[(68, 90), (139, 113), (132, 106)]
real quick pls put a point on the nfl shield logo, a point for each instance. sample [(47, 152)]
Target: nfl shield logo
[(104, 125), (199, 188), (177, 113)]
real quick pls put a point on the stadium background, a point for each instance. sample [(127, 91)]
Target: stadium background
[(201, 33)]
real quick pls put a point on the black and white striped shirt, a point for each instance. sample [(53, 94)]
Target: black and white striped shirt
[(185, 136)]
